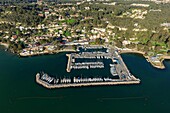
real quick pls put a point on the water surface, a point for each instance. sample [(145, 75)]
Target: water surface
[(20, 93)]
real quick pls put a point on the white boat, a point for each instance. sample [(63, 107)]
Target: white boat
[(113, 70)]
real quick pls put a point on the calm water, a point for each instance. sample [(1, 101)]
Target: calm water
[(20, 94)]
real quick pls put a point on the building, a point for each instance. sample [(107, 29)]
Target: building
[(39, 2)]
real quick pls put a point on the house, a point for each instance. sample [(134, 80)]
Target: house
[(39, 2), (41, 14), (87, 8), (126, 42), (14, 37)]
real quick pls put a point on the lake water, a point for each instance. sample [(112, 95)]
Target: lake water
[(21, 94)]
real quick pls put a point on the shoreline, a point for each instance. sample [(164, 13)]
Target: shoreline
[(47, 52), (4, 44), (159, 65)]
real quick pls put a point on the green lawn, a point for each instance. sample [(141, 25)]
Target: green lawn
[(70, 21)]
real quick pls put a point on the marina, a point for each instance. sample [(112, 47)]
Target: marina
[(96, 54), (91, 60)]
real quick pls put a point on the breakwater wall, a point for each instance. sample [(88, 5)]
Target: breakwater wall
[(49, 86)]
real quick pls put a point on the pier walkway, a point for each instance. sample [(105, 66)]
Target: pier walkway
[(69, 62)]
